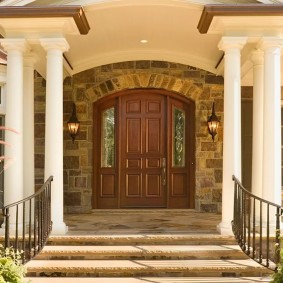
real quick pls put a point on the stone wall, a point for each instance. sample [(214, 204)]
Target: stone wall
[(87, 87)]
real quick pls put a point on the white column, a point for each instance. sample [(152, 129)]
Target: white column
[(257, 147), (13, 177), (271, 176), (28, 134), (232, 126), (54, 127)]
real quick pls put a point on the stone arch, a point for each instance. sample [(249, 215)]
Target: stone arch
[(87, 87), (184, 87)]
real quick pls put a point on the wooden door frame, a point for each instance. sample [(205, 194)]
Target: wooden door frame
[(96, 143)]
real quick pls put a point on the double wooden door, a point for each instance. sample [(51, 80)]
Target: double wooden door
[(144, 153)]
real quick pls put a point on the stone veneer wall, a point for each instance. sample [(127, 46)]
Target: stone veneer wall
[(87, 87)]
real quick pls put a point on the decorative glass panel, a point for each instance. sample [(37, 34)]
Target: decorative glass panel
[(179, 119), (108, 138)]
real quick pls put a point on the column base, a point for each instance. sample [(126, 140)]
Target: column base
[(59, 228), (225, 228)]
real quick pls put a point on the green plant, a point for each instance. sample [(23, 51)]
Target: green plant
[(11, 268), (277, 277)]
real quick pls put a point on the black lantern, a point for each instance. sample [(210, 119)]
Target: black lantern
[(73, 124), (213, 123)]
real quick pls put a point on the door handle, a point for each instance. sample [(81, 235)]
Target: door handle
[(163, 171)]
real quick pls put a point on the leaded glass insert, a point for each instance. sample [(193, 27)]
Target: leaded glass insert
[(179, 119), (108, 138)]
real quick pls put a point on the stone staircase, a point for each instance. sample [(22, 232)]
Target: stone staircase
[(138, 258)]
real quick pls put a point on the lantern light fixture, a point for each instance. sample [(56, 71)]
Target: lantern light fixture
[(213, 123), (74, 124)]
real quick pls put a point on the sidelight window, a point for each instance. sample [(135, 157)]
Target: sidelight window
[(179, 119), (108, 138)]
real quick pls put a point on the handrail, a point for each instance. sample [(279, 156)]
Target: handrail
[(254, 223), (28, 222)]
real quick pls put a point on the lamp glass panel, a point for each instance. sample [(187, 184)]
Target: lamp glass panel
[(213, 126), (108, 138), (73, 128)]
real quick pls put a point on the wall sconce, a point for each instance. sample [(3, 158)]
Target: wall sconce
[(213, 123), (73, 124)]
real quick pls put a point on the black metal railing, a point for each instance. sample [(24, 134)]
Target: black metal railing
[(28, 222), (256, 226)]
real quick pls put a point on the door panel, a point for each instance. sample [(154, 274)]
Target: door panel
[(107, 185), (133, 135), (144, 151), (133, 186)]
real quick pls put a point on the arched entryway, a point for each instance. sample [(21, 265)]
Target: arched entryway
[(144, 144)]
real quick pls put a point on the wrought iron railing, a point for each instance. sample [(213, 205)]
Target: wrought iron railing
[(28, 223), (256, 226)]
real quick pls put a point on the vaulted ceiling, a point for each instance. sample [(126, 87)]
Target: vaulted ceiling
[(124, 30)]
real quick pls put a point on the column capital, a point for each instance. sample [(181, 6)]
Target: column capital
[(55, 44), (30, 59), (232, 42), (18, 44), (257, 57), (268, 42)]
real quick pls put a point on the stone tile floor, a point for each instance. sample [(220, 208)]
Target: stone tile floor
[(142, 221)]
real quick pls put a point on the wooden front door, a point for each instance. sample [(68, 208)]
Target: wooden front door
[(144, 151), (143, 147)]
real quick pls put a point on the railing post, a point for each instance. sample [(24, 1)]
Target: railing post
[(277, 236), (6, 214)]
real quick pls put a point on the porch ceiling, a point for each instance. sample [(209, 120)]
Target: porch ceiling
[(118, 26)]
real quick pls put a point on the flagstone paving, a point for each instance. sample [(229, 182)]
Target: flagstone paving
[(142, 221)]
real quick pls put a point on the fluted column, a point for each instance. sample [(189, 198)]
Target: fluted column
[(271, 175), (28, 134), (13, 177), (232, 126), (54, 127), (257, 143)]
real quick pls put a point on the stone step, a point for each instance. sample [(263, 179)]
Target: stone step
[(138, 268), (150, 279), (143, 252), (140, 239)]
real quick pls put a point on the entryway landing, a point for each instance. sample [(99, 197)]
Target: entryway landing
[(142, 221)]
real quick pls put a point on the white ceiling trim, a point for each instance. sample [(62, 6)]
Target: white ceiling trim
[(271, 1), (15, 2), (248, 26), (91, 5), (109, 3), (37, 27)]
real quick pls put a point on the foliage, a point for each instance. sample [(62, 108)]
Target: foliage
[(11, 268), (277, 277)]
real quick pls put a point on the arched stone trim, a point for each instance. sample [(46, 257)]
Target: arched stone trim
[(91, 85), (185, 87)]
